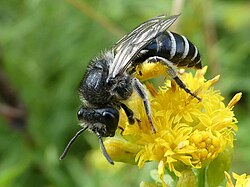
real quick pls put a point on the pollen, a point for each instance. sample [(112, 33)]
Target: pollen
[(147, 71)]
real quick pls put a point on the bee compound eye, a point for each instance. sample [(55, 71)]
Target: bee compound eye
[(110, 118), (108, 115)]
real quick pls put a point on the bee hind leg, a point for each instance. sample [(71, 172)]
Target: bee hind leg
[(172, 72)]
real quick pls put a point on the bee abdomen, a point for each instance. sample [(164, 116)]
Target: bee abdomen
[(175, 48)]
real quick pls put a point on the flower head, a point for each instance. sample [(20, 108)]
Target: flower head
[(190, 133)]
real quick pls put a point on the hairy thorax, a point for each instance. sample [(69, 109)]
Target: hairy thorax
[(98, 91)]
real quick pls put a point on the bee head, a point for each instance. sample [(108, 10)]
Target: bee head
[(102, 121)]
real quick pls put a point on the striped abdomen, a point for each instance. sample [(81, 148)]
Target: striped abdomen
[(173, 47)]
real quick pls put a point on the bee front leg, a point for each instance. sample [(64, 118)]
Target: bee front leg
[(143, 94), (129, 113), (172, 72)]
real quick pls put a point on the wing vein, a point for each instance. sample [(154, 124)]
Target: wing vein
[(130, 45)]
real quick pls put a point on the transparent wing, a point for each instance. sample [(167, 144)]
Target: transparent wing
[(130, 45)]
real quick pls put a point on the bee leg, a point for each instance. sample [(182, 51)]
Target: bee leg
[(129, 113), (143, 94), (172, 73), (183, 86)]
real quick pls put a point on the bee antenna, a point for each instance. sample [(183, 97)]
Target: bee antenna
[(66, 150), (104, 151)]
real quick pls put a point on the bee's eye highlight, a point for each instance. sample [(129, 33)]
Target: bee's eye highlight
[(108, 114), (80, 113)]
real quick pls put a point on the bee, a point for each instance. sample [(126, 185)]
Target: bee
[(109, 79)]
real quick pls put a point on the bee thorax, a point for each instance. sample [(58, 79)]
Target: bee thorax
[(122, 88)]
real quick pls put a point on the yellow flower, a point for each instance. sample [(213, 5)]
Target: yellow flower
[(241, 180), (190, 133), (161, 169)]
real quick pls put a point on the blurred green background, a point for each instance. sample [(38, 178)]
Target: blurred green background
[(45, 46)]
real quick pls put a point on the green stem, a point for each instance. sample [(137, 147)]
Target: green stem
[(201, 177)]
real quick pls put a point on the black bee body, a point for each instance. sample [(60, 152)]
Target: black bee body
[(173, 47), (102, 99), (109, 81)]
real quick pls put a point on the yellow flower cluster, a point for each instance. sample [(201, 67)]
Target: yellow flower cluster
[(241, 180), (189, 132)]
